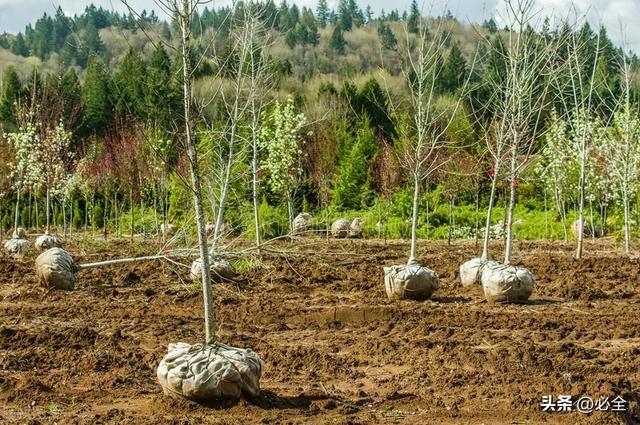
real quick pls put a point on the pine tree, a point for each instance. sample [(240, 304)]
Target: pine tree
[(129, 81), (19, 46), (323, 12), (91, 40), (96, 100), (387, 38), (454, 70), (413, 21), (11, 92), (160, 92), (351, 185), (345, 15), (337, 42)]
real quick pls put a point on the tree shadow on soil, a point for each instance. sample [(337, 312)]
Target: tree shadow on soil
[(267, 400), (451, 299)]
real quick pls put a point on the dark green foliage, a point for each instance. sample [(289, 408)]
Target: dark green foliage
[(96, 100), (129, 85), (454, 71), (351, 187), (11, 92), (337, 42), (19, 46), (413, 21), (387, 38), (323, 13)]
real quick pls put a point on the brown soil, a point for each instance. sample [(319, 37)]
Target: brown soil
[(335, 349)]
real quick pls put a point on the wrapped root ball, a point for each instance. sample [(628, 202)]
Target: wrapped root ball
[(212, 371), (355, 229), (19, 233), (471, 271), (47, 241), (221, 270), (16, 247), (410, 281), (595, 231), (340, 228), (167, 230), (302, 223), (506, 283), (55, 268)]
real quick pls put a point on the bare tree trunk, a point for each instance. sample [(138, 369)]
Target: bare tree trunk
[(64, 221), (487, 224), (132, 212), (546, 215), (627, 220), (254, 187), (450, 221), (185, 26), (290, 212), (414, 220), (581, 185), (509, 240), (47, 212), (17, 212)]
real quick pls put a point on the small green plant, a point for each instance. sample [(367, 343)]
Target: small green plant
[(52, 407)]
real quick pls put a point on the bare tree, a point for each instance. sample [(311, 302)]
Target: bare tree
[(423, 142), (183, 11)]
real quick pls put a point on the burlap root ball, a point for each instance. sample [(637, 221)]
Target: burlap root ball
[(589, 231), (16, 246), (506, 283), (410, 281), (167, 230), (207, 372), (221, 270), (55, 268), (46, 241), (302, 223), (340, 228), (19, 233), (355, 229), (471, 271)]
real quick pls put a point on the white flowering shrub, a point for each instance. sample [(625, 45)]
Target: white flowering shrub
[(281, 142)]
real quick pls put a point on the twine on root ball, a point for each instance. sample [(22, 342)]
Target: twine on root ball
[(411, 281), (471, 271), (507, 283), (204, 372), (221, 270), (340, 228), (16, 247), (46, 241), (55, 268)]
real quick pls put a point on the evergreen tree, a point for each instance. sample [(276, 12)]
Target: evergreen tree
[(96, 101), (68, 93), (129, 85), (19, 46), (91, 40), (323, 12), (454, 71), (161, 96), (490, 25), (351, 185), (368, 14), (345, 15), (11, 92), (387, 38), (337, 43), (413, 21)]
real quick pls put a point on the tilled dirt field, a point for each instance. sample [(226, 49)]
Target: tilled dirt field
[(335, 349)]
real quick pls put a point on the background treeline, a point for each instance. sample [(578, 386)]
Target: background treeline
[(114, 81)]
